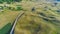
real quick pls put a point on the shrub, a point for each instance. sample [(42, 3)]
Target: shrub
[(18, 8), (17, 0), (1, 1), (1, 7), (8, 1)]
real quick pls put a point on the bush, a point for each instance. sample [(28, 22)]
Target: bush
[(1, 1), (17, 0), (1, 7), (8, 1), (18, 8)]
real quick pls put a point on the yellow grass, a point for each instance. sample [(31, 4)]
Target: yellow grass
[(7, 17)]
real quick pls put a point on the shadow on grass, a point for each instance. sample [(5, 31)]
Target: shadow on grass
[(5, 29)]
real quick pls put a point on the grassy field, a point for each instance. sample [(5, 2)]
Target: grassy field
[(43, 20), (39, 18)]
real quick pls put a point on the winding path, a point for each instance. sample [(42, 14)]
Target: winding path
[(15, 21)]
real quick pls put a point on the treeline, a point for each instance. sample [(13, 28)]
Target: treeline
[(9, 1), (17, 8)]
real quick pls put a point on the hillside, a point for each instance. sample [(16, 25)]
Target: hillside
[(38, 17)]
